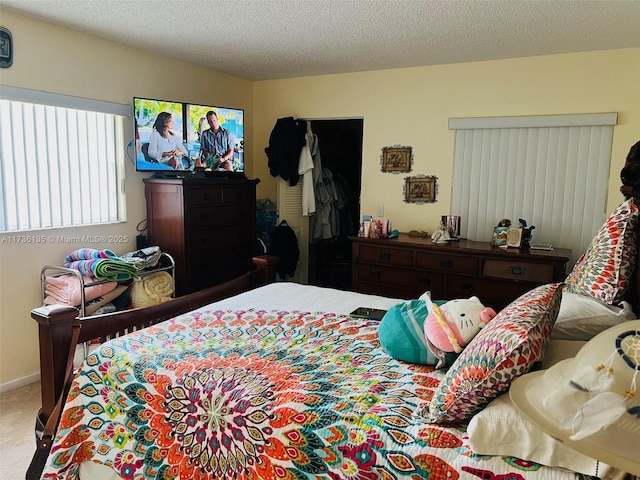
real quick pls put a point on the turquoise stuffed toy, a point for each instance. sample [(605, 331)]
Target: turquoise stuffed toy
[(432, 333)]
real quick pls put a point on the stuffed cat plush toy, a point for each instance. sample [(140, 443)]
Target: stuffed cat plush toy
[(432, 333)]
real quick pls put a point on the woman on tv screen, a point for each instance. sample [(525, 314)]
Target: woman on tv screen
[(164, 145)]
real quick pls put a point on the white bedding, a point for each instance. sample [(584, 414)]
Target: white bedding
[(294, 296)]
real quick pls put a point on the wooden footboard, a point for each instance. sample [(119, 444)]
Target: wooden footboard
[(55, 327)]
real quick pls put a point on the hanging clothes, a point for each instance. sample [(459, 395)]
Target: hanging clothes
[(310, 168), (305, 170), (347, 224), (285, 143), (324, 223), (333, 218)]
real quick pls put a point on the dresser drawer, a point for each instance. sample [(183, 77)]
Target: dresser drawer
[(198, 217), (412, 279), (449, 263), (236, 196), (390, 256), (203, 196), (491, 292), (225, 195), (514, 270), (219, 239), (395, 291)]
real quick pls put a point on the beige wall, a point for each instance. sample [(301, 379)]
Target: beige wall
[(50, 58), (412, 106), (403, 106)]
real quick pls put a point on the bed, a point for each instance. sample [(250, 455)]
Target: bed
[(258, 379)]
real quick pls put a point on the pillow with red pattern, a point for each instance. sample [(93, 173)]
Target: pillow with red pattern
[(503, 350), (605, 270)]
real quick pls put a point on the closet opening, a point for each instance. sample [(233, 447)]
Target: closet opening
[(340, 143)]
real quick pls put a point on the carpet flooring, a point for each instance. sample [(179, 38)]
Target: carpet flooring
[(18, 409)]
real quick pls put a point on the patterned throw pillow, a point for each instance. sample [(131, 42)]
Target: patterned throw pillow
[(604, 271), (503, 350)]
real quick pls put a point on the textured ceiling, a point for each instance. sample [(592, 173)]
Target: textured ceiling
[(268, 39)]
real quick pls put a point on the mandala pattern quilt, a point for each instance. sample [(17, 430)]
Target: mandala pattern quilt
[(258, 394)]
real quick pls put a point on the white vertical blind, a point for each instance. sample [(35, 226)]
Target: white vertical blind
[(554, 177), (60, 165)]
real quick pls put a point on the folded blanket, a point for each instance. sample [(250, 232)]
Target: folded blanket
[(88, 254), (102, 264), (66, 289), (151, 289), (105, 268)]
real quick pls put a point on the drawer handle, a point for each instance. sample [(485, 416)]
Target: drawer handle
[(204, 217), (206, 196), (446, 263), (467, 287), (517, 270), (384, 256), (424, 281), (204, 242), (375, 274)]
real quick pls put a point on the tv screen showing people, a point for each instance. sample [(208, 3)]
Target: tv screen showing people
[(174, 136)]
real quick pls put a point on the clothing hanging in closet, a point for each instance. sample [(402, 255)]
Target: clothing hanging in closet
[(285, 143), (309, 168)]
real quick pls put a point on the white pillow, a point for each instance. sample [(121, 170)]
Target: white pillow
[(500, 429), (582, 317), (560, 350)]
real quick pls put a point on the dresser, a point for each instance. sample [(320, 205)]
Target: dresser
[(408, 266), (207, 225)]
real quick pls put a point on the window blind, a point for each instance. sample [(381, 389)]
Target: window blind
[(60, 166), (551, 171)]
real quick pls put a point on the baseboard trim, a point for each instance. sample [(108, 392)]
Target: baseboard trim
[(19, 382)]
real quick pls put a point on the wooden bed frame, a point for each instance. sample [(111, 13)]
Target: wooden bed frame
[(55, 327)]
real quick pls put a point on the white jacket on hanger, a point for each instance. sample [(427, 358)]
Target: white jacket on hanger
[(305, 170)]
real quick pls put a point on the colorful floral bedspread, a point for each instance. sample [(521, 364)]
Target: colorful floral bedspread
[(262, 395)]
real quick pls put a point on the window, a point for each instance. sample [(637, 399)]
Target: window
[(551, 171), (61, 160)]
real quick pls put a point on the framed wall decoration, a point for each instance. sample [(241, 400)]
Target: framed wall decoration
[(396, 159), (420, 189)]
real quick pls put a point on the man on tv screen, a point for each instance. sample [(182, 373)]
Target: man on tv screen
[(216, 146)]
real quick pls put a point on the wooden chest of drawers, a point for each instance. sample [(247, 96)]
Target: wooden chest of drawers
[(207, 225), (408, 266)]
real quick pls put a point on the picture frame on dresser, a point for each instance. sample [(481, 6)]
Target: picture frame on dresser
[(499, 237), (514, 238)]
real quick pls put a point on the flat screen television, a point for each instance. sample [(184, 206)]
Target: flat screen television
[(189, 121)]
